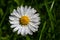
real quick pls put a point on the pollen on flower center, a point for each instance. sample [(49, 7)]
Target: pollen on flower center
[(24, 20)]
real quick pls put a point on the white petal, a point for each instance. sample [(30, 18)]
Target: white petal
[(27, 31), (19, 31), (33, 10), (19, 11), (35, 20), (15, 29), (34, 25), (13, 26), (15, 13), (32, 28), (14, 22), (23, 31), (29, 12), (13, 18), (26, 8), (35, 15), (22, 10)]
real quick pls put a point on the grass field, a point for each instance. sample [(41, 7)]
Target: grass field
[(49, 11)]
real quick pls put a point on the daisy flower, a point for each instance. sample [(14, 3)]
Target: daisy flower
[(24, 20)]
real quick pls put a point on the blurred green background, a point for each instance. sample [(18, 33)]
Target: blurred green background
[(49, 11)]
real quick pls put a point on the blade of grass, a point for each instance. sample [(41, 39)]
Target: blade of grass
[(51, 17), (42, 30), (49, 10), (49, 13), (52, 5)]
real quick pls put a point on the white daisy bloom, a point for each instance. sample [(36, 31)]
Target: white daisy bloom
[(24, 20)]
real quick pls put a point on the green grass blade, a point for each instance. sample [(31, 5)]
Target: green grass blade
[(52, 5), (42, 30)]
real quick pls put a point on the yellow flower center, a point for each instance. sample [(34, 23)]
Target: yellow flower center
[(24, 20)]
